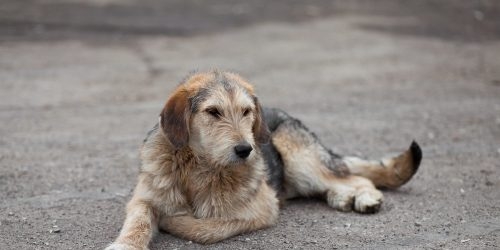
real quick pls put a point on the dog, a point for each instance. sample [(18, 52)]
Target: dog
[(217, 164)]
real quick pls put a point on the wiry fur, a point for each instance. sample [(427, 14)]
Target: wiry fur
[(192, 183)]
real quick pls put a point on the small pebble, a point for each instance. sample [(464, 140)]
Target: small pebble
[(431, 135), (417, 223), (348, 225), (11, 214), (55, 230), (247, 239), (479, 15), (463, 241)]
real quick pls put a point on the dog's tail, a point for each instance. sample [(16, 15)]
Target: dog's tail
[(389, 172)]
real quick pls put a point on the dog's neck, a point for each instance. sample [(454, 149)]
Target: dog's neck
[(214, 189), (209, 189)]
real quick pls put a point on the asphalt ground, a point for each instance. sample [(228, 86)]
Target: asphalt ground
[(81, 82)]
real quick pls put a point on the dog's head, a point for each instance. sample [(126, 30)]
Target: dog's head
[(217, 115)]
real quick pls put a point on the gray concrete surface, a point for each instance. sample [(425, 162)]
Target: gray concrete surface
[(82, 81)]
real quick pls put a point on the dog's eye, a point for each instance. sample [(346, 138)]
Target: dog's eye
[(246, 112), (214, 112)]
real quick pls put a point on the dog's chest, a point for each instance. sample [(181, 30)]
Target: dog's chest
[(221, 194)]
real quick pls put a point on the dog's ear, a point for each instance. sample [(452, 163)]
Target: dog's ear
[(260, 130), (174, 119)]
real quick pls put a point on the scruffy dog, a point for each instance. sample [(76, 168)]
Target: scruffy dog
[(217, 165)]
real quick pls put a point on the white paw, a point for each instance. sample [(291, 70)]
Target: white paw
[(368, 201), (118, 246)]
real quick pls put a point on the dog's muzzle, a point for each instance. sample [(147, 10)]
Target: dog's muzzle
[(243, 150)]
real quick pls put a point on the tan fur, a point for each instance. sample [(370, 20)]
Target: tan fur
[(192, 184), (306, 175), (186, 185), (391, 172)]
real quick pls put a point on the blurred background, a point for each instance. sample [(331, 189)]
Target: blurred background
[(82, 81), (115, 19)]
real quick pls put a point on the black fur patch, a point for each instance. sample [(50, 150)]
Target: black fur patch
[(274, 165), (416, 154), (274, 117)]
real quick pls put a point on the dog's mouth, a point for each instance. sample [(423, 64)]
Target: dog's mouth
[(236, 160)]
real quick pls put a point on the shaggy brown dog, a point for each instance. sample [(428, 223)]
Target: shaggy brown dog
[(217, 164)]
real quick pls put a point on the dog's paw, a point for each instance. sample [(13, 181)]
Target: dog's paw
[(341, 201), (368, 201), (119, 246)]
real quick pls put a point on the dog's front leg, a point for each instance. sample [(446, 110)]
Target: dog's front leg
[(210, 230), (260, 213), (140, 223)]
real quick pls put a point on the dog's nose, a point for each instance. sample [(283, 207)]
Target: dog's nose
[(243, 150)]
